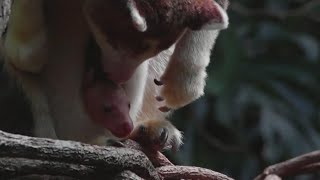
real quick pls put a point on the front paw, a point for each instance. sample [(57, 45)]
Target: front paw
[(178, 92), (157, 135)]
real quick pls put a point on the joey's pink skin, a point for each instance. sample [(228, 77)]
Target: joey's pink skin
[(108, 105)]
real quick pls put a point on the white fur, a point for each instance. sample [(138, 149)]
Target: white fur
[(175, 136), (185, 75), (27, 53), (138, 21), (43, 125), (135, 88), (217, 25), (150, 111), (24, 52), (157, 65)]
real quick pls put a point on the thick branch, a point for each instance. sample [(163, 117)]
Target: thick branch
[(13, 167), (299, 165), (186, 172), (22, 156), (102, 158), (5, 6)]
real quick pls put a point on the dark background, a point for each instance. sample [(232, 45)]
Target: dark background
[(263, 91)]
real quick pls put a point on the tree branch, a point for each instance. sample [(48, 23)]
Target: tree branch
[(22, 156), (104, 159), (306, 163), (5, 7), (184, 172)]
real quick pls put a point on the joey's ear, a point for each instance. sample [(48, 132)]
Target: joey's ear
[(216, 15), (138, 20)]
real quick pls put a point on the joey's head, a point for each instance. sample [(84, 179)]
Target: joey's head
[(132, 31), (108, 105)]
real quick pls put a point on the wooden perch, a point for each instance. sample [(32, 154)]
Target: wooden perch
[(5, 7), (23, 157), (307, 163), (68, 158)]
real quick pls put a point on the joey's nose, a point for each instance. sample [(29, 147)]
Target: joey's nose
[(123, 129)]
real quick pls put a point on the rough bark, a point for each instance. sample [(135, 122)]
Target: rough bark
[(187, 172), (307, 163), (25, 155), (5, 6)]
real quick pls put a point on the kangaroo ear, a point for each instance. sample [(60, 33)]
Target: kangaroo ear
[(217, 16), (139, 22)]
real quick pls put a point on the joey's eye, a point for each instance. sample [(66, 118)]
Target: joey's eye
[(129, 105), (107, 108)]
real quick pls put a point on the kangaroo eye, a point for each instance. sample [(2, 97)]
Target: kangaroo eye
[(129, 105)]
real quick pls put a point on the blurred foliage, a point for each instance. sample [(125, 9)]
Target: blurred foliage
[(263, 91)]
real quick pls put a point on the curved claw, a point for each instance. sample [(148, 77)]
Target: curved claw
[(143, 130), (174, 145), (114, 143), (163, 138), (158, 82), (159, 98), (164, 109)]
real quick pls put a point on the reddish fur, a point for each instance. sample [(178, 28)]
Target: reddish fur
[(123, 35), (178, 13), (166, 22), (98, 94)]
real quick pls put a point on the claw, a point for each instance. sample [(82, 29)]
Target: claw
[(174, 145), (158, 82), (159, 98), (142, 130), (163, 138), (157, 135), (115, 143), (164, 109)]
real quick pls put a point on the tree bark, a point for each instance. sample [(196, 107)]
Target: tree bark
[(5, 6), (27, 155)]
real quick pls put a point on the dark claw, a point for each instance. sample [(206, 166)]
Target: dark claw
[(163, 138), (115, 143), (142, 130), (164, 109), (158, 83), (159, 98), (174, 146)]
